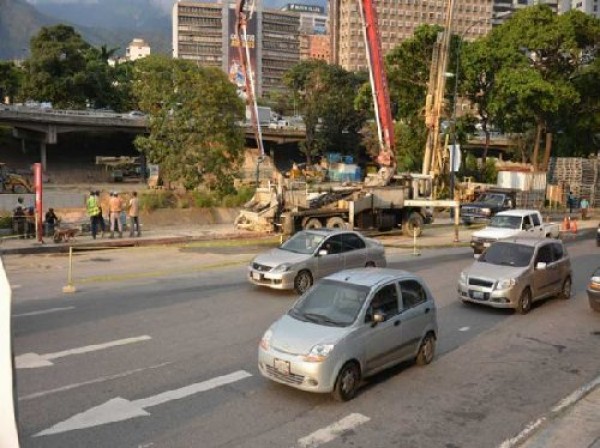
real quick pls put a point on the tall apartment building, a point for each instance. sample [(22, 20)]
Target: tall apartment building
[(315, 46), (591, 7), (205, 33), (313, 19), (397, 21)]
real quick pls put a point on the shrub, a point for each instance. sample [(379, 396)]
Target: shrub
[(203, 199), (5, 222), (157, 199)]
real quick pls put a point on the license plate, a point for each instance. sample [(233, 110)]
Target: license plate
[(256, 276), (487, 244), (477, 295), (282, 367)]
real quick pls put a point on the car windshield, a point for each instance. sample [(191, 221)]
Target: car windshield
[(506, 222), (490, 198), (331, 303), (303, 242), (507, 254)]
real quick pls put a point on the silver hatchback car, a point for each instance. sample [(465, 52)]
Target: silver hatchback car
[(348, 326), (313, 254)]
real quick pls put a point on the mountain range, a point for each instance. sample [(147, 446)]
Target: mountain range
[(101, 22)]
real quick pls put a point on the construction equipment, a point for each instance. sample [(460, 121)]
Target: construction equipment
[(122, 168), (11, 182), (385, 200)]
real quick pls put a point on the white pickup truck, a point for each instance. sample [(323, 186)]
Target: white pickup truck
[(511, 223)]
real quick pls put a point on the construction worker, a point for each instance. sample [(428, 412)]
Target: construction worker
[(584, 205), (115, 206), (93, 210)]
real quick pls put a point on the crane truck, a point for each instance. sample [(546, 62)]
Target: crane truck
[(383, 201)]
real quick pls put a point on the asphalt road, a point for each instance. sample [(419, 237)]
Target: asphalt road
[(157, 348)]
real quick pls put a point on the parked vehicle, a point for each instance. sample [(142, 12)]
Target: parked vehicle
[(310, 255), (350, 325), (514, 274), (404, 203), (598, 236), (593, 290), (512, 223), (488, 205)]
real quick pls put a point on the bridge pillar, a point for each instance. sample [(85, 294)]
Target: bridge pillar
[(43, 155)]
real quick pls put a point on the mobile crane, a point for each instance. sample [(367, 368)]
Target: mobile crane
[(384, 201)]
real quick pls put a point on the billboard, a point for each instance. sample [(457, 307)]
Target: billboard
[(235, 71)]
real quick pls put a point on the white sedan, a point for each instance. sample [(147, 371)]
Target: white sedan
[(313, 254)]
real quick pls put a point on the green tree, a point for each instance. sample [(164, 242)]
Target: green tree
[(325, 100), (10, 80), (193, 113)]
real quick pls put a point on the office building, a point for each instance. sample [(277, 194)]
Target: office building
[(205, 33), (313, 19), (397, 20)]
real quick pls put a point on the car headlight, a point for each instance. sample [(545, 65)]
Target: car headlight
[(486, 211), (265, 342), (284, 267), (319, 353), (464, 278), (506, 283)]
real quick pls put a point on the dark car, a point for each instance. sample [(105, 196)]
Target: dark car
[(593, 290), (487, 205)]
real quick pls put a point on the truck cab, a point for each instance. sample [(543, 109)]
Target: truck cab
[(487, 205)]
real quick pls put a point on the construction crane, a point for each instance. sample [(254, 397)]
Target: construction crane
[(434, 157), (244, 13)]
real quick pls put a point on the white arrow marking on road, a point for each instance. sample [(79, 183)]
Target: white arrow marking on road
[(48, 311), (119, 409), (464, 328), (332, 431), (33, 360)]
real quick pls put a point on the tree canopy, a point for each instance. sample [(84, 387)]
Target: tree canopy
[(193, 116)]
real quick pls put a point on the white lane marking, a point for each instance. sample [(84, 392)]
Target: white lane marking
[(33, 360), (101, 379), (560, 406), (119, 409), (464, 328), (15, 286), (333, 431), (48, 311)]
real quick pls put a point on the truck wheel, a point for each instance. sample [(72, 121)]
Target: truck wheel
[(312, 223), (336, 222), (303, 281), (412, 224), (524, 304), (19, 189)]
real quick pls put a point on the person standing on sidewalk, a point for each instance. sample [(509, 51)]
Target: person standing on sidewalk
[(115, 205), (134, 212), (100, 217), (92, 211), (584, 205)]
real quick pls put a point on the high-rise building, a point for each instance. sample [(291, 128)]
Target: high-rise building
[(591, 7), (397, 20), (313, 18), (315, 46), (205, 33)]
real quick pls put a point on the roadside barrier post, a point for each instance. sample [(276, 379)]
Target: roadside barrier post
[(456, 223), (70, 288), (415, 250)]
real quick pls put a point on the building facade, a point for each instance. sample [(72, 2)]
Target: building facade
[(314, 46), (137, 49), (591, 7), (313, 19), (205, 33), (397, 20)]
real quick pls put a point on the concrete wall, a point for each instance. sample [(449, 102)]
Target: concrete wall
[(50, 199)]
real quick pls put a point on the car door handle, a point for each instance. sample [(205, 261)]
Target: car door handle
[(397, 323), (427, 310)]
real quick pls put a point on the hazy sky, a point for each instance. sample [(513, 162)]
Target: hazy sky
[(165, 5)]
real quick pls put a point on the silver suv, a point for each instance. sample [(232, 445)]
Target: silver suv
[(350, 325), (516, 273)]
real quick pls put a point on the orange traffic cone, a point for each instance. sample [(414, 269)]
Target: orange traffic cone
[(574, 226), (565, 223)]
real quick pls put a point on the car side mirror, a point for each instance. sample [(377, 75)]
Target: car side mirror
[(377, 319), (540, 265), (323, 252)]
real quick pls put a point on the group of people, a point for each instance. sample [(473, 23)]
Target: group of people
[(584, 204), (116, 210)]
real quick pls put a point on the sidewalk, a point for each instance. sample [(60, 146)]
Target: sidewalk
[(573, 423), (438, 235)]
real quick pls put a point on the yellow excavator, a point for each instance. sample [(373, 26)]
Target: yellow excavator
[(11, 182)]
